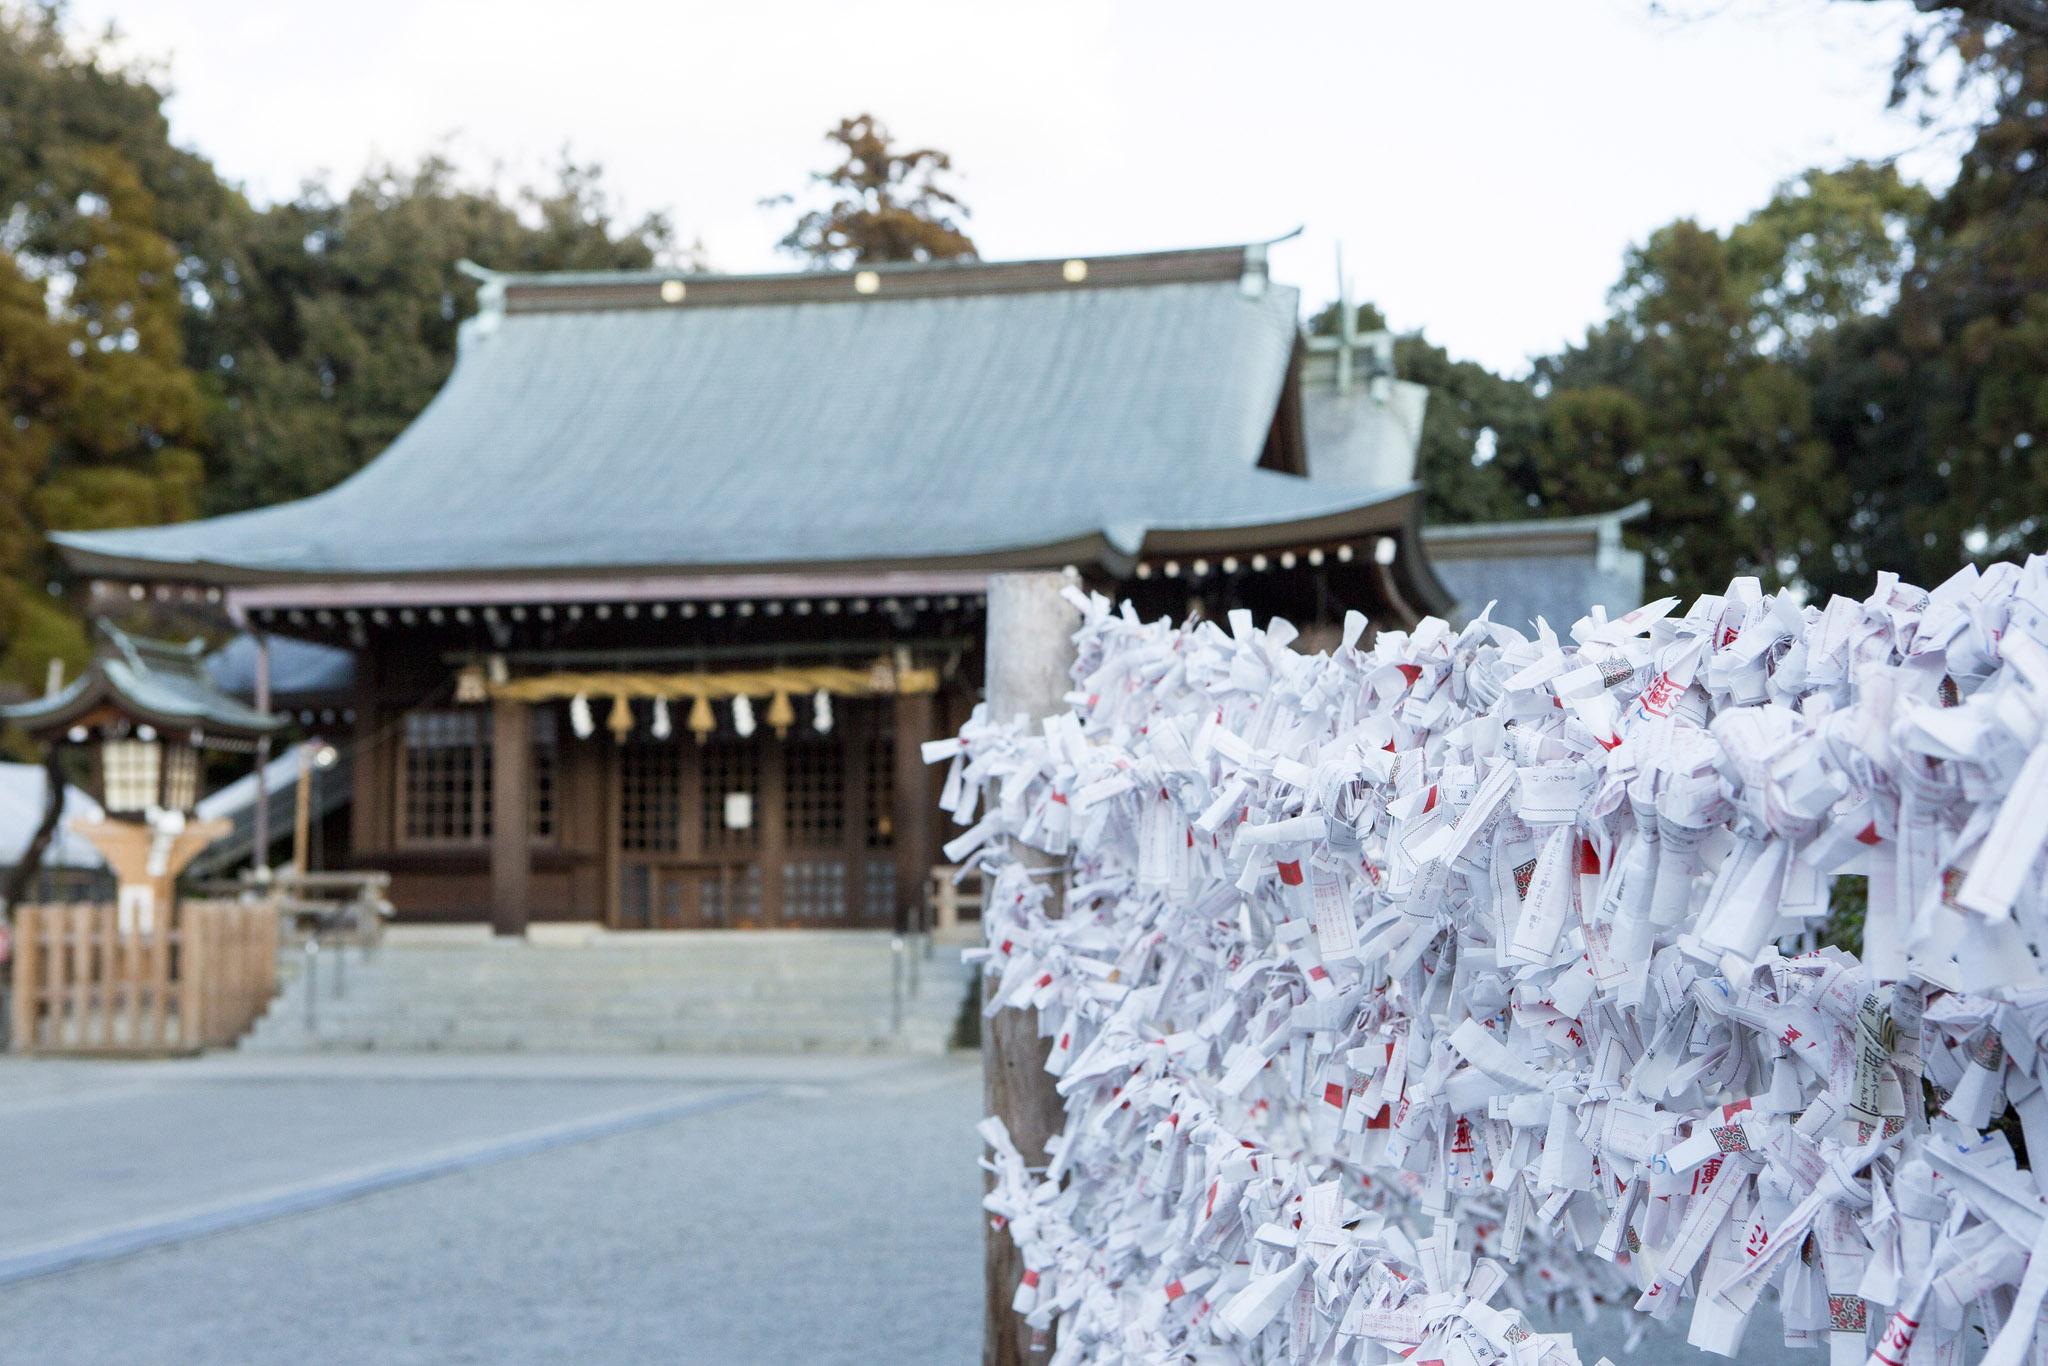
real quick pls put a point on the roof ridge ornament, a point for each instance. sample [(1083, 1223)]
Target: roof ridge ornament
[(490, 303), (1252, 284)]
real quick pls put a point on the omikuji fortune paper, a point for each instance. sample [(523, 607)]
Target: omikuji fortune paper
[(1405, 996)]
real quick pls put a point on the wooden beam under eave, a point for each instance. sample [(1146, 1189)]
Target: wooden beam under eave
[(910, 824)]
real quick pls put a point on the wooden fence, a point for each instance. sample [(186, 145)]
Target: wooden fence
[(83, 984)]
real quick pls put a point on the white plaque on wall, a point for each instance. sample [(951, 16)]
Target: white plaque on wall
[(739, 810)]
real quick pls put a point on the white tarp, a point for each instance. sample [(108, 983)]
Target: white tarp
[(22, 788)]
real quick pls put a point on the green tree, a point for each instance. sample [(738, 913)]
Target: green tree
[(882, 203), (345, 323), (112, 236), (1698, 392), (1941, 404), (1479, 459)]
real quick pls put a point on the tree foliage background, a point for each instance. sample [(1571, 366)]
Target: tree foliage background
[(881, 203), (1854, 377), (168, 349)]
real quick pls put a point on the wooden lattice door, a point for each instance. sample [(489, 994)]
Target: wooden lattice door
[(814, 829), (761, 831)]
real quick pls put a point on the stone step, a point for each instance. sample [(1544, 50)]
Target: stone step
[(515, 1042), (780, 991)]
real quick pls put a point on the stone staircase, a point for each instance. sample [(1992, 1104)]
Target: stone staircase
[(576, 989)]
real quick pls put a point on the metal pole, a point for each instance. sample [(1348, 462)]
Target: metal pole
[(312, 982), (261, 861), (895, 984), (1030, 657)]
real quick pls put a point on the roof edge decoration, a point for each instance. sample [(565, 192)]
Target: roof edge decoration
[(576, 291)]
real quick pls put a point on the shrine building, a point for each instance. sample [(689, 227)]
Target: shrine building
[(652, 606)]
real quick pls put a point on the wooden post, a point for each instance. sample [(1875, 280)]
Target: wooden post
[(374, 809), (302, 808), (1030, 652), (511, 849), (910, 823), (771, 832)]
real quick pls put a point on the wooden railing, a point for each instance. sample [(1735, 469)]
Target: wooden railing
[(948, 898), (84, 984)]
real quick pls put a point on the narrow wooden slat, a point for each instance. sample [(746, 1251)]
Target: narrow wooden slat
[(141, 960), (84, 967), (225, 981), (192, 971), (223, 975), (107, 1005), (114, 973), (55, 920), (111, 970), (156, 1034), (28, 929), (100, 968), (67, 956), (80, 991)]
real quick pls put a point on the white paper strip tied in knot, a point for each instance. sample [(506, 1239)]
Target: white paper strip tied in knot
[(1409, 997)]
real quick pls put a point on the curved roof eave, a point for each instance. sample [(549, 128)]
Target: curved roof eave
[(1115, 548), (97, 688)]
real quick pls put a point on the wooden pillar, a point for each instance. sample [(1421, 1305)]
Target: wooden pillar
[(771, 830), (910, 824), (302, 808), (375, 813), (605, 766), (1030, 653), (511, 797)]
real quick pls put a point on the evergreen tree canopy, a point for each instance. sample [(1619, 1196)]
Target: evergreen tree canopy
[(111, 237), (350, 324), (1698, 391), (883, 203), (168, 349), (1941, 403)]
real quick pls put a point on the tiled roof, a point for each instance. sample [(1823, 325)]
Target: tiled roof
[(1023, 412)]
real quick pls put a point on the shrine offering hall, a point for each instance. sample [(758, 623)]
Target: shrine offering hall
[(649, 612)]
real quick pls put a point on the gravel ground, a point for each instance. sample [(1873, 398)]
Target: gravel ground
[(831, 1218)]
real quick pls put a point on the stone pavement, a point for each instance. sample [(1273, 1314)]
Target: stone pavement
[(490, 1209)]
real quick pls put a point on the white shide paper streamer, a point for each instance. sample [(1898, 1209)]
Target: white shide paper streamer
[(1407, 996)]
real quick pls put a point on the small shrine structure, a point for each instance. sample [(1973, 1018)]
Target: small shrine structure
[(145, 711)]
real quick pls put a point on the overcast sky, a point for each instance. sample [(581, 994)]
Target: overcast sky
[(1482, 163)]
